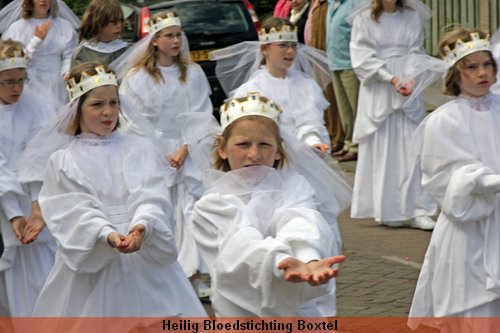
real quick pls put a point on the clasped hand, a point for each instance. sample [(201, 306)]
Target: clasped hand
[(27, 230), (131, 242)]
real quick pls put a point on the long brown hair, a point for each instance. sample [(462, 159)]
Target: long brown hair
[(98, 14), (452, 78), (76, 73), (221, 141), (149, 60)]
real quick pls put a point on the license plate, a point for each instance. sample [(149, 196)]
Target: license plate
[(199, 55)]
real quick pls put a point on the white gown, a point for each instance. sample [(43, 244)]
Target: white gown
[(50, 58), (461, 169), (301, 99), (23, 268), (162, 103), (247, 222), (93, 187), (384, 122)]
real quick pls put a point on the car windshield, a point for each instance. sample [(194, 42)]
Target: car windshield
[(210, 18)]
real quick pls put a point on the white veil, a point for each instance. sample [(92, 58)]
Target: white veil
[(422, 9), (236, 63), (333, 192), (13, 12), (53, 137), (124, 63)]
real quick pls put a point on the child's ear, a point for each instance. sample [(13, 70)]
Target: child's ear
[(263, 49), (220, 151), (278, 156)]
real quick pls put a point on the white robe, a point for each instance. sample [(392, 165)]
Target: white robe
[(93, 187), (301, 99), (162, 103), (461, 169), (384, 123), (247, 222), (50, 58), (23, 267)]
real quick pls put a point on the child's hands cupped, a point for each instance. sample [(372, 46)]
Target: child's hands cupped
[(133, 241), (116, 240), (295, 270), (322, 270)]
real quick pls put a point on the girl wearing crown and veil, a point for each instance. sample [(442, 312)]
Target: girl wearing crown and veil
[(105, 200), (47, 30), (29, 247), (280, 68), (461, 170), (175, 86), (267, 223), (389, 110), (100, 33)]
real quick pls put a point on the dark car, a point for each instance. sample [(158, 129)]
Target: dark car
[(208, 24)]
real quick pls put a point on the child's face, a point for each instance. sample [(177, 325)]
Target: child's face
[(169, 41), (279, 56), (99, 112), (41, 8), (12, 85), (477, 75), (111, 31), (251, 143)]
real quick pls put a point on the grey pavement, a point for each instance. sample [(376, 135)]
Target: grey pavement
[(380, 272)]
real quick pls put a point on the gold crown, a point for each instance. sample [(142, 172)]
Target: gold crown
[(463, 49), (9, 62), (284, 34), (251, 105), (165, 22), (89, 82)]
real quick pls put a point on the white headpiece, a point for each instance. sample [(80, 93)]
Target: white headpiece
[(463, 49), (89, 82), (17, 61), (285, 34), (251, 105), (166, 22)]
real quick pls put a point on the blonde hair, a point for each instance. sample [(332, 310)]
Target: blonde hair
[(377, 8), (11, 49), (76, 73), (28, 7), (452, 78), (99, 14), (223, 164), (149, 60)]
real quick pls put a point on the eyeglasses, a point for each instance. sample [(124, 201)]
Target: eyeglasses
[(12, 83), (286, 45), (171, 36)]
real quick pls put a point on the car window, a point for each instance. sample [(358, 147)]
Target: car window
[(211, 18)]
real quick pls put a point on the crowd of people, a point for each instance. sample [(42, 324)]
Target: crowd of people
[(119, 188)]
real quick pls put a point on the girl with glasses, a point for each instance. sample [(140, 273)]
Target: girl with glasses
[(175, 85)]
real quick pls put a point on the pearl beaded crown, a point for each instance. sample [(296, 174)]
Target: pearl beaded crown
[(89, 82), (284, 34), (463, 49), (9, 62), (251, 105), (163, 23)]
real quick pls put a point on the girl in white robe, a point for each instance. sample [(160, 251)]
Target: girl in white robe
[(175, 86), (460, 276), (25, 263), (100, 33), (281, 69), (384, 38), (48, 33), (266, 238), (105, 200)]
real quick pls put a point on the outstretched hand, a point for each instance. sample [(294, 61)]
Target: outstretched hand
[(315, 272)]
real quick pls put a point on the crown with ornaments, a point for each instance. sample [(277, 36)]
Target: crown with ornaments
[(285, 33), (89, 82), (463, 49), (17, 60), (251, 105), (164, 22)]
